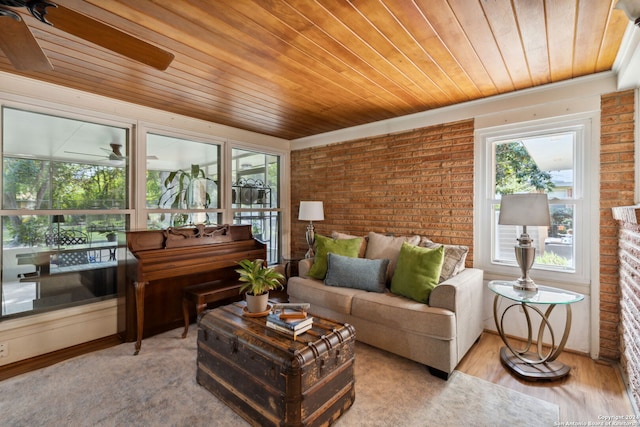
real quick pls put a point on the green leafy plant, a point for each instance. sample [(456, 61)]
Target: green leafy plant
[(257, 277), (177, 186)]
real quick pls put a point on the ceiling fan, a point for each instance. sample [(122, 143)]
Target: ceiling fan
[(114, 154), (24, 52)]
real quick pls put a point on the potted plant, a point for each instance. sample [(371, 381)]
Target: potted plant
[(111, 236), (186, 189), (258, 280)]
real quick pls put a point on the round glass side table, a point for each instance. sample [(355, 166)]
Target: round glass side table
[(541, 363)]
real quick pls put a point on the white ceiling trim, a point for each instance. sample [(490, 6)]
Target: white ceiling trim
[(627, 63)]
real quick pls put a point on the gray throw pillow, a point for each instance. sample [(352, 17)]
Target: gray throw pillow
[(357, 273)]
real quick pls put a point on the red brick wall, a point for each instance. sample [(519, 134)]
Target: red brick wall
[(616, 189), (420, 181)]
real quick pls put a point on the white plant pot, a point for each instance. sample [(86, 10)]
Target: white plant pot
[(257, 303)]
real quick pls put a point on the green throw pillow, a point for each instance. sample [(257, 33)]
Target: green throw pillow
[(324, 245), (417, 272)]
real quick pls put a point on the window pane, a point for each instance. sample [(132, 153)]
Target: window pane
[(538, 164), (75, 169), (554, 245), (265, 227), (58, 163), (181, 175), (56, 261), (255, 196), (255, 179)]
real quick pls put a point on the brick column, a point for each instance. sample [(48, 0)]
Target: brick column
[(616, 189), (629, 258)]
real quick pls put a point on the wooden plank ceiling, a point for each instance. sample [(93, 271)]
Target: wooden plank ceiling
[(294, 68)]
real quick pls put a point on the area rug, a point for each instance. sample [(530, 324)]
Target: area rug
[(158, 388)]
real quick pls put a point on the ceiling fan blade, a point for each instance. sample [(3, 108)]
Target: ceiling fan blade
[(108, 37), (19, 45), (86, 154)]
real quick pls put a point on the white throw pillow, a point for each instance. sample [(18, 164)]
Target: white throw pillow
[(454, 258)]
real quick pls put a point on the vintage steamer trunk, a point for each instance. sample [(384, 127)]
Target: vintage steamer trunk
[(270, 379)]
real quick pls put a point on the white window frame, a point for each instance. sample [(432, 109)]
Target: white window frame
[(284, 190), (140, 156), (485, 185)]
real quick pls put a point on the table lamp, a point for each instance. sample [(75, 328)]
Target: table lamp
[(525, 209), (310, 211)]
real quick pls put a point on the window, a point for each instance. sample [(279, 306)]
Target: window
[(547, 159), (64, 184), (182, 182), (255, 199), (67, 184)]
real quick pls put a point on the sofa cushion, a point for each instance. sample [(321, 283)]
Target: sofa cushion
[(454, 258), (380, 246), (363, 247), (417, 272), (324, 245), (404, 314), (318, 294), (358, 273)]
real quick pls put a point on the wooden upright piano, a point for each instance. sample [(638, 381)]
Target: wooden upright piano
[(160, 263)]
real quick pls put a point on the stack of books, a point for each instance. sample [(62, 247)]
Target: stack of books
[(290, 326)]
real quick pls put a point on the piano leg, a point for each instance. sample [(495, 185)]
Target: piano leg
[(139, 287), (185, 313)]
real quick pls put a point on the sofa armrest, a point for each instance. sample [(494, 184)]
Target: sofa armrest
[(463, 288), (462, 294), (304, 265)]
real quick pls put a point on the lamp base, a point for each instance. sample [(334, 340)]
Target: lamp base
[(525, 255), (525, 285), (311, 238)]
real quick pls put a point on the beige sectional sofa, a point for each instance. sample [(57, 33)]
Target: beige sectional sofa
[(438, 333)]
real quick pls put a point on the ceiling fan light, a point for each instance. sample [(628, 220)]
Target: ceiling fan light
[(631, 8)]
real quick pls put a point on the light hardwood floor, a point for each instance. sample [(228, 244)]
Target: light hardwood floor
[(592, 389)]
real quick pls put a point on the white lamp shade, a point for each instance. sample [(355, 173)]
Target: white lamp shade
[(524, 209), (311, 211), (631, 8)]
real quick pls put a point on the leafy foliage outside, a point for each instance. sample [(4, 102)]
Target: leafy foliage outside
[(42, 184), (517, 172), (550, 258)]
